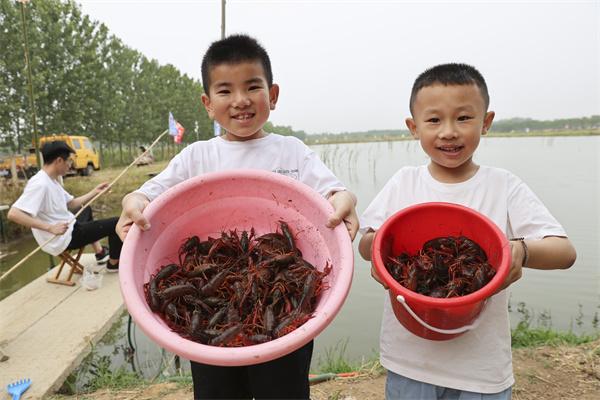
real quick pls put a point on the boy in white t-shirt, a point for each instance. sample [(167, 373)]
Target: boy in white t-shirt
[(449, 105), (237, 77)]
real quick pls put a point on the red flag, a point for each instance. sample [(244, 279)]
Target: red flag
[(180, 131)]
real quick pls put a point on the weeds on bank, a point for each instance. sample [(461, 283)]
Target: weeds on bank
[(527, 335), (97, 372), (336, 361), (103, 377), (100, 375)]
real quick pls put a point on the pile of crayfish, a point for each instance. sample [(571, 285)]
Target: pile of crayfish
[(445, 267), (237, 289)]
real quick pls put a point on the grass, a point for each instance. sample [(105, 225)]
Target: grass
[(104, 378), (336, 361), (524, 336), (96, 371), (530, 334), (99, 374)]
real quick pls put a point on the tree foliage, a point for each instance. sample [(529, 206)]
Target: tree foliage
[(86, 81), (528, 124)]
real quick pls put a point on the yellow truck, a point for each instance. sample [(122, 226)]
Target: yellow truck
[(85, 159), (25, 164)]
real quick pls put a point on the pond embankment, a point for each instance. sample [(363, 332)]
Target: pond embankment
[(547, 372)]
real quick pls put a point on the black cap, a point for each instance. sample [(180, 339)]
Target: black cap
[(51, 150)]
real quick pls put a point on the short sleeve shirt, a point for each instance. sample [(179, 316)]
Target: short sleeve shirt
[(46, 199), (480, 359), (285, 155)]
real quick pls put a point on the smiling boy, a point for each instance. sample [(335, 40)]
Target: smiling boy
[(450, 146), (239, 95), (241, 98), (449, 107)]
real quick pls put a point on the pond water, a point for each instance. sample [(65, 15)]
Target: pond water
[(563, 171)]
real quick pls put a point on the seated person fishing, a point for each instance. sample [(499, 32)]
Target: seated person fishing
[(45, 207)]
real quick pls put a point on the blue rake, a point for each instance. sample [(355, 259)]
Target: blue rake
[(17, 388)]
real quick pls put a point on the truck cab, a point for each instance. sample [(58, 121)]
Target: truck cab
[(85, 160)]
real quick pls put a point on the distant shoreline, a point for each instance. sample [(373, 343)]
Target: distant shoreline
[(391, 138)]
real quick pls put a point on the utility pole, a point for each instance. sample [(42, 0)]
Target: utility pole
[(28, 64), (216, 126), (222, 19)]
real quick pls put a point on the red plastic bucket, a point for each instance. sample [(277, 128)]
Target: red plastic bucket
[(407, 231)]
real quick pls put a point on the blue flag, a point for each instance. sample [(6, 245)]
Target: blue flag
[(217, 128), (173, 131)]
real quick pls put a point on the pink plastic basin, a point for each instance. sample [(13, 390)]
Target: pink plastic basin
[(236, 199)]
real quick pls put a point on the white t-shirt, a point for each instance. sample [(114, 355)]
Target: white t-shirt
[(46, 199), (286, 155), (478, 360)]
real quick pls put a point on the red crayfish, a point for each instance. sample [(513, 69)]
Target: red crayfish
[(237, 289), (445, 267)]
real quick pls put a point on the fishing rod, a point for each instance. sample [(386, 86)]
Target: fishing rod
[(85, 205)]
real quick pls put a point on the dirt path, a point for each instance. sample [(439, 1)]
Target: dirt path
[(549, 373)]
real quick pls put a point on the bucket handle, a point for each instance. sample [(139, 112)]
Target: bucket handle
[(455, 331)]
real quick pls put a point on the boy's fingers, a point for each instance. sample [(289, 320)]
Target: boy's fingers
[(125, 222), (334, 220), (377, 278), (138, 218), (514, 275), (352, 228), (348, 217), (340, 210)]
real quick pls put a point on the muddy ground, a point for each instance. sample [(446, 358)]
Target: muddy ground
[(549, 373)]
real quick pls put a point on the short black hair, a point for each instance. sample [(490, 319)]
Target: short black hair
[(235, 49), (53, 150), (450, 74)]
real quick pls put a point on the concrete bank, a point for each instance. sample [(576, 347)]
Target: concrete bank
[(46, 329)]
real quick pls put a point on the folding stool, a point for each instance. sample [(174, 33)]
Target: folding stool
[(74, 267)]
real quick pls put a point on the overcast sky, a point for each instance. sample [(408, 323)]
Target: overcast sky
[(349, 65)]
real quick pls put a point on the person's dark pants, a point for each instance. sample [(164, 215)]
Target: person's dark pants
[(87, 231), (282, 378)]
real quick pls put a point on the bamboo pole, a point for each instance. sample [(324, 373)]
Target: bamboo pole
[(84, 206)]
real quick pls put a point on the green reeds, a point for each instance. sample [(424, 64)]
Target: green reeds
[(334, 360), (529, 333)]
